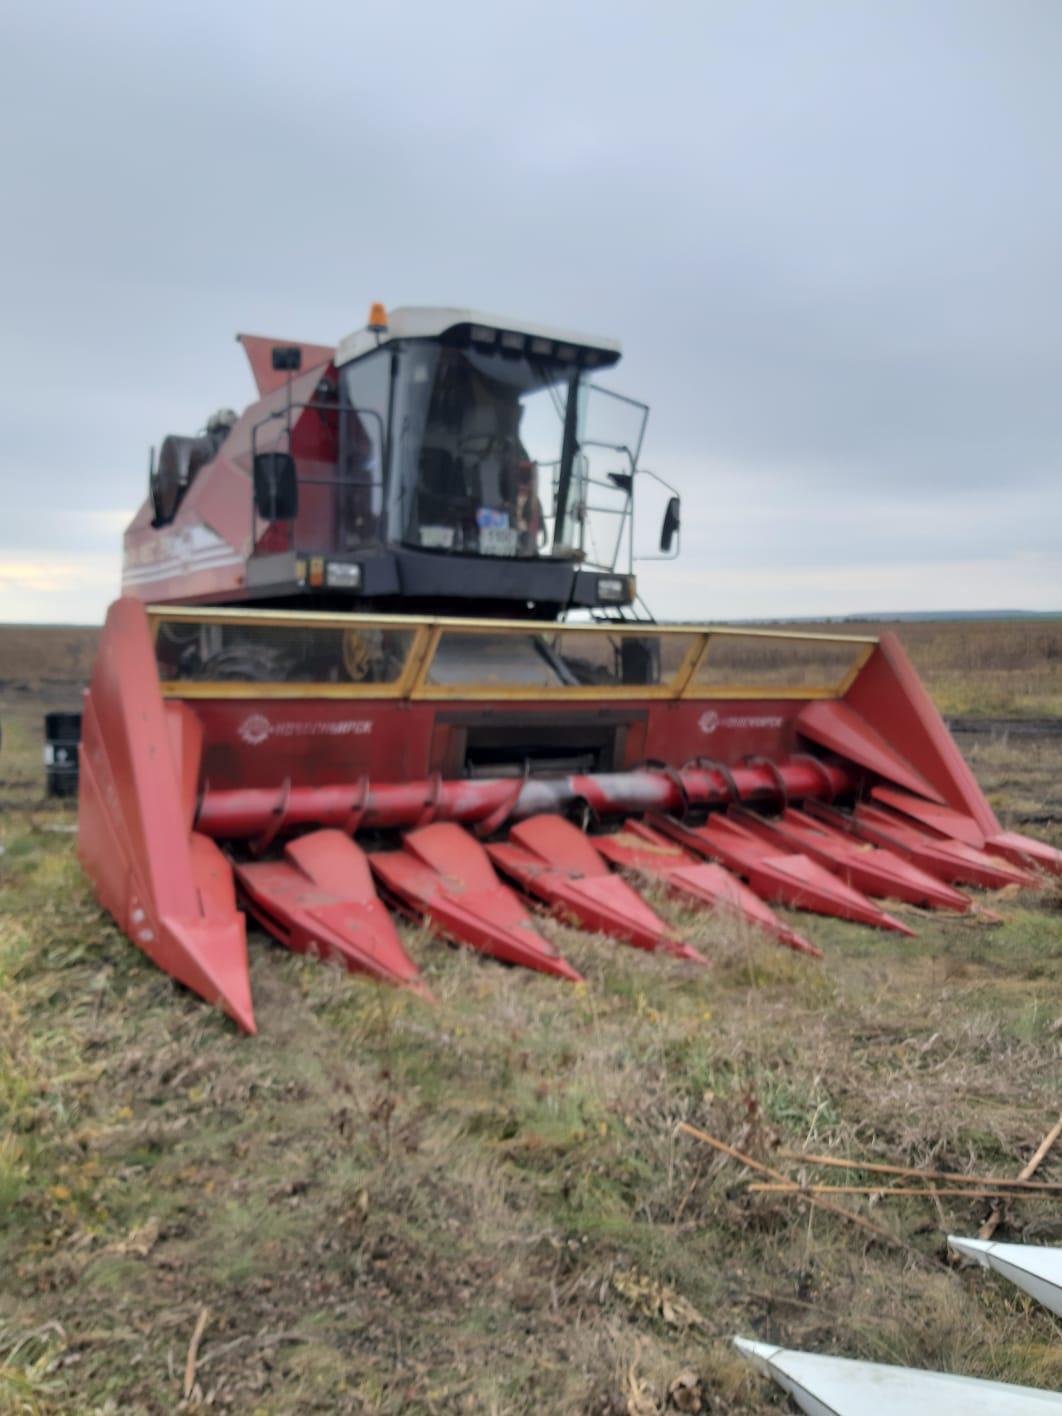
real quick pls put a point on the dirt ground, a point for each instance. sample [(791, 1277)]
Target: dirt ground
[(380, 1206)]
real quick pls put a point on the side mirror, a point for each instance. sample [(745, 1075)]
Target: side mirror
[(287, 358), (672, 523), (276, 486)]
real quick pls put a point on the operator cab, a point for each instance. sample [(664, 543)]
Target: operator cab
[(471, 481), (460, 441), (440, 461)]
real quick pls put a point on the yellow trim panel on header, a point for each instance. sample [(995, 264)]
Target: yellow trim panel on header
[(244, 654)]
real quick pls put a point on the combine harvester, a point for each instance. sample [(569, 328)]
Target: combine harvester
[(293, 716)]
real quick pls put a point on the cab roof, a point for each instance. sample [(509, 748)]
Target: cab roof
[(457, 325)]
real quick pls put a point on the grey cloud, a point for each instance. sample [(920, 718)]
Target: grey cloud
[(830, 236)]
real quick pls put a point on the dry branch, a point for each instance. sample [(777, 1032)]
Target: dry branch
[(794, 1188), (815, 1200), (989, 1227), (193, 1352), (987, 1182)]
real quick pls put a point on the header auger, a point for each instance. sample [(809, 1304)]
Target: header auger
[(266, 736)]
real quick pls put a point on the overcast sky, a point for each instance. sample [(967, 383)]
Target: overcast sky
[(828, 234)]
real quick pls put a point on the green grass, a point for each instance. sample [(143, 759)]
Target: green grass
[(456, 1187)]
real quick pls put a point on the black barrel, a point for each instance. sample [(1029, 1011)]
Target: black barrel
[(62, 733)]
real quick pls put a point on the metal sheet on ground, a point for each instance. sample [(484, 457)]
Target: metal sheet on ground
[(839, 1386), (1035, 1269)]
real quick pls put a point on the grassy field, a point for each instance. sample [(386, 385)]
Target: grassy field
[(994, 667), (379, 1206)]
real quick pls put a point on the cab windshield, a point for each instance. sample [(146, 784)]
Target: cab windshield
[(479, 448)]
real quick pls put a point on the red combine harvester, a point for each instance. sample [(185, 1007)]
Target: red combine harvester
[(302, 722)]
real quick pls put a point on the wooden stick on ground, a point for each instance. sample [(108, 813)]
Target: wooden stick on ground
[(989, 1227), (987, 1182), (793, 1188), (912, 1173), (193, 1352), (816, 1200)]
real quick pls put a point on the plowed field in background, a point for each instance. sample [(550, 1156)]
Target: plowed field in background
[(483, 1206)]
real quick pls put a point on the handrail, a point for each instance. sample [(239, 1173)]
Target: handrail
[(337, 409), (426, 633), (210, 614)]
